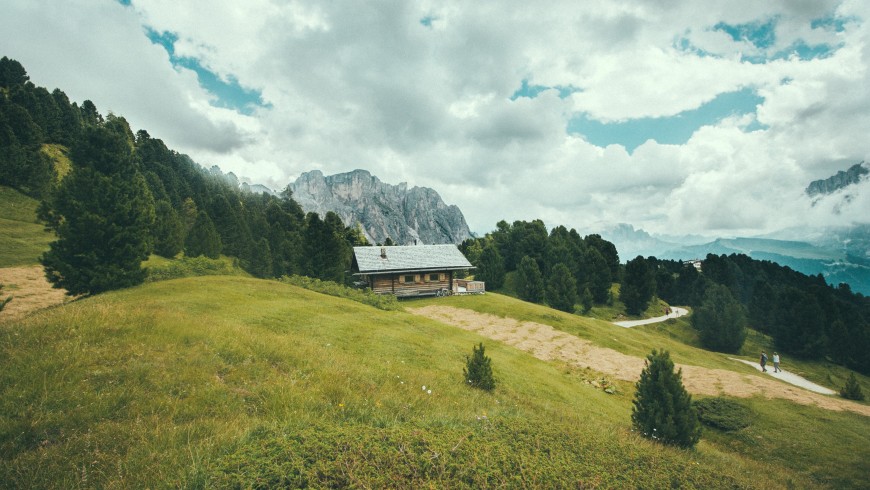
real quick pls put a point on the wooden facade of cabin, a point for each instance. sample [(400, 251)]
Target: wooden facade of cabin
[(419, 270), (420, 284)]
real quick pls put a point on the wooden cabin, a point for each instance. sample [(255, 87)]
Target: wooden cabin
[(405, 271)]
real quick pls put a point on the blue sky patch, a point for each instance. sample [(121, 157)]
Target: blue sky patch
[(831, 23), (761, 35), (230, 94), (673, 130), (532, 91)]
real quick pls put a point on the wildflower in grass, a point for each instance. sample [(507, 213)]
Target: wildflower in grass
[(429, 391), (424, 387)]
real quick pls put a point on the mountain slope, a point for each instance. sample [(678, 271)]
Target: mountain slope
[(22, 238), (225, 381), (383, 210)]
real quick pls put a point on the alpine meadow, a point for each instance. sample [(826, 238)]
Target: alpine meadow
[(164, 326)]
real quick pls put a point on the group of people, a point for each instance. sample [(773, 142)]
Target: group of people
[(763, 362)]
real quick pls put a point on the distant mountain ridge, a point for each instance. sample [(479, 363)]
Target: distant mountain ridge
[(405, 215), (837, 261)]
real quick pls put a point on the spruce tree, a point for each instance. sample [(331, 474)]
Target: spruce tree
[(852, 390), (599, 276), (203, 238), (102, 214), (261, 259), (168, 230), (720, 320), (663, 408), (530, 283), (562, 289), (490, 268), (478, 369), (638, 287)]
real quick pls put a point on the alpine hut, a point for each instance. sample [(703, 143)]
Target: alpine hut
[(404, 271)]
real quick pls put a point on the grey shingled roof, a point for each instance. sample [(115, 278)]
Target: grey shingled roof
[(410, 258)]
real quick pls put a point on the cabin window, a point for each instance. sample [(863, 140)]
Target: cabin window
[(434, 277), (407, 279)]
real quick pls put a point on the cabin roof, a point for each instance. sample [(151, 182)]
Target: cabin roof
[(369, 260)]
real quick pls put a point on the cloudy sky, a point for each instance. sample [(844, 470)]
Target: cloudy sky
[(675, 116)]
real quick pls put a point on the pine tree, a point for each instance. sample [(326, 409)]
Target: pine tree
[(720, 320), (203, 238), (168, 230), (562, 289), (103, 213), (478, 369), (852, 390), (490, 269), (586, 300), (638, 287), (261, 259), (530, 283), (600, 278), (663, 408)]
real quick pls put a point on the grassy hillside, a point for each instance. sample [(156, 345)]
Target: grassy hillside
[(22, 238), (230, 381)]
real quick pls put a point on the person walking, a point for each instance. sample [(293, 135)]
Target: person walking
[(776, 368), (763, 361)]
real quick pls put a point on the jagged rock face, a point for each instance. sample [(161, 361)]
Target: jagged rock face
[(383, 210), (838, 181)]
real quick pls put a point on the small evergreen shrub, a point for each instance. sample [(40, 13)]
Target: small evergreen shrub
[(663, 408), (723, 414), (478, 369), (852, 390)]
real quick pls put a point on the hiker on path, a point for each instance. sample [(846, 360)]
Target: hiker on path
[(776, 368), (763, 361)]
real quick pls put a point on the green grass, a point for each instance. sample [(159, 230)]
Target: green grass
[(22, 238), (59, 154), (235, 382), (161, 269)]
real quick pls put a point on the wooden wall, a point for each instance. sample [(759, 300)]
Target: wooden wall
[(422, 284)]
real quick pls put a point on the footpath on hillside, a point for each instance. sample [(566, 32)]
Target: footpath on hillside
[(549, 344), (676, 312)]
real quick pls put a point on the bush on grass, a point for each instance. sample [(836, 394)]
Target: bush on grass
[(478, 369), (723, 413), (852, 390)]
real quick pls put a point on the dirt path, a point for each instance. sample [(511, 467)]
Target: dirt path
[(30, 291), (549, 344), (676, 312)]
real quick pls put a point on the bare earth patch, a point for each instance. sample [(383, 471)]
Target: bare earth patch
[(30, 291), (549, 344)]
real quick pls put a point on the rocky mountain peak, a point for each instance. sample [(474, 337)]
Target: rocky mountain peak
[(840, 180), (382, 210)]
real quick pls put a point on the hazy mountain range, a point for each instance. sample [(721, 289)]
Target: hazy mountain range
[(406, 215), (840, 254)]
